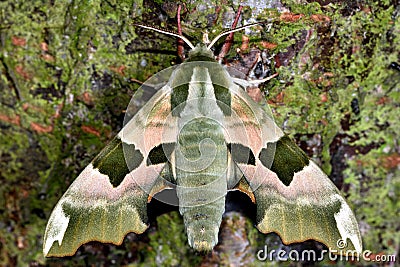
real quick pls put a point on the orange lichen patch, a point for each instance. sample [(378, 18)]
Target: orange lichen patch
[(326, 83), (324, 122), (13, 120), (21, 242), (324, 97), (57, 114), (87, 98), (40, 128), (18, 41), (328, 74), (383, 100), (391, 161), (366, 9), (360, 163), (120, 70), (44, 46), (48, 58), (29, 107), (321, 80), (245, 43), (320, 18), (25, 106), (90, 130), (24, 193), (278, 99), (21, 71), (355, 49), (290, 17), (268, 45)]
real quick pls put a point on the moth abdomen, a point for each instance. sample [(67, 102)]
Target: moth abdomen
[(202, 208), (202, 205), (201, 169), (202, 224)]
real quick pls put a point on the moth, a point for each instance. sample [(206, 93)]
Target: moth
[(201, 134)]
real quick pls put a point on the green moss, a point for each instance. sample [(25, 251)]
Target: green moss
[(374, 182), (365, 44), (51, 55), (169, 243)]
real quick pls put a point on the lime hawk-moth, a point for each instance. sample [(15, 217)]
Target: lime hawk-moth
[(201, 134)]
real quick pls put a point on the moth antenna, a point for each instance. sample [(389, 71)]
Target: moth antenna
[(230, 31), (167, 33)]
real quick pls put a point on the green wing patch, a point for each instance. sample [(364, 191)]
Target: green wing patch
[(288, 159), (111, 160)]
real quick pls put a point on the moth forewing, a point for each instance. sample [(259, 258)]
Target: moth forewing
[(106, 202)]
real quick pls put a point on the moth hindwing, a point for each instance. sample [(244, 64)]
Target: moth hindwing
[(203, 135)]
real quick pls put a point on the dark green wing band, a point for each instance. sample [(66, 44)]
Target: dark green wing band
[(111, 161), (288, 159)]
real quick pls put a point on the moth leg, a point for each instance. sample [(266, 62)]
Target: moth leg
[(259, 81), (229, 39), (248, 83), (244, 187), (164, 181)]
